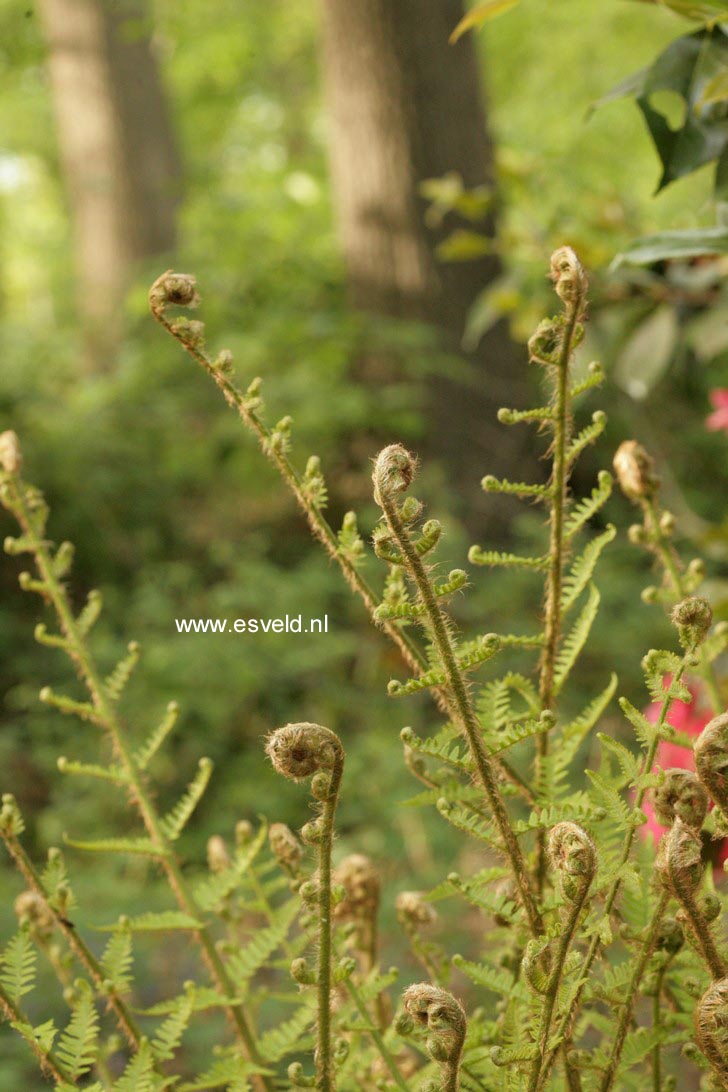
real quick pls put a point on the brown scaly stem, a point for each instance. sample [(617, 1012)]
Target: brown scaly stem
[(574, 858), (627, 1007), (299, 751), (569, 1016), (165, 292), (105, 715), (571, 286), (49, 1063), (393, 472), (76, 943)]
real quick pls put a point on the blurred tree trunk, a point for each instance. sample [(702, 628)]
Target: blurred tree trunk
[(405, 106), (118, 154)]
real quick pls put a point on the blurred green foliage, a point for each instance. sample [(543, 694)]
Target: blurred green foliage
[(173, 512)]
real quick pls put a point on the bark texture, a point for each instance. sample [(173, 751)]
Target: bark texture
[(405, 106), (117, 151)]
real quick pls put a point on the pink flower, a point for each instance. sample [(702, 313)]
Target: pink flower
[(718, 420), (690, 719)]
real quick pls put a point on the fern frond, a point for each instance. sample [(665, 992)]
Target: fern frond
[(142, 847), (117, 959), (477, 556), (484, 898), (175, 821), (575, 732), (583, 567), (497, 980), (516, 732), (229, 1072), (594, 378), (586, 436), (349, 542), (77, 1045), (169, 1034), (90, 613), (463, 819), (575, 641), (139, 1075), (244, 963), (589, 506), (628, 763), (445, 747), (644, 729), (18, 965), (425, 681), (204, 999), (539, 414), (151, 922), (284, 1039), (149, 748), (119, 677), (495, 703), (212, 891), (103, 773), (84, 710), (517, 489)]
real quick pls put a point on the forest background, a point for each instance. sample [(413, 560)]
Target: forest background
[(206, 137)]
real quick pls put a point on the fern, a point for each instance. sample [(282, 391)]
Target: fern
[(18, 965), (174, 823), (77, 1045)]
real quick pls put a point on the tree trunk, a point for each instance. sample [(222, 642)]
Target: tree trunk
[(118, 155), (405, 106)]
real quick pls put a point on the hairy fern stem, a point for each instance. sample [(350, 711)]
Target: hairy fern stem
[(466, 715), (78, 651)]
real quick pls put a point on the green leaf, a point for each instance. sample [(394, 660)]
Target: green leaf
[(170, 1033), (17, 965), (496, 979), (464, 246), (139, 1075), (589, 506), (175, 821), (582, 568), (116, 961), (229, 1071), (684, 68), (647, 352), (137, 846), (77, 1046), (577, 638), (204, 999), (166, 921), (480, 14), (157, 736), (244, 963), (667, 245), (286, 1037)]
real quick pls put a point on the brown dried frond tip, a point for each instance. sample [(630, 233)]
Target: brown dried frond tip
[(173, 290), (711, 1026), (567, 273), (693, 617), (443, 1017), (285, 847), (394, 470), (30, 907), (413, 910), (299, 750), (11, 458), (360, 880), (711, 759), (635, 471), (681, 796)]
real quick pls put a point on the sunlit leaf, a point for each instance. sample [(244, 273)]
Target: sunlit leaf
[(479, 15), (667, 245)]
